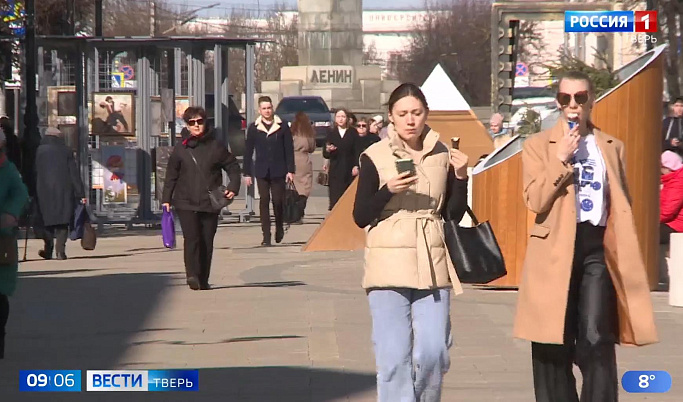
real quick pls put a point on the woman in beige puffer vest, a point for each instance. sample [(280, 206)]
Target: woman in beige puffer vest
[(408, 272)]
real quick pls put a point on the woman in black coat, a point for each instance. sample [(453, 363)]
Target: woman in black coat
[(193, 169), (340, 149), (58, 190)]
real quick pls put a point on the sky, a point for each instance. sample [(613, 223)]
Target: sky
[(226, 5)]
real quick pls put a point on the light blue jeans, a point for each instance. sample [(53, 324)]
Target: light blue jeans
[(411, 335)]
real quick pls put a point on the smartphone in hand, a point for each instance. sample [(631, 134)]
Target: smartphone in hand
[(405, 165)]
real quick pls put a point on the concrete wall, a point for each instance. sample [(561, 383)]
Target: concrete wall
[(330, 32)]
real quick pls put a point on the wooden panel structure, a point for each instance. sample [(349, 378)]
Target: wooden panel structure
[(475, 140), (633, 114), (338, 231), (497, 198), (630, 112)]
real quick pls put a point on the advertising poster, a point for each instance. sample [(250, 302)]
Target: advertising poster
[(113, 114), (181, 103), (114, 180)]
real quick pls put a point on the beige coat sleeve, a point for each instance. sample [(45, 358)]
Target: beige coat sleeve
[(543, 176)]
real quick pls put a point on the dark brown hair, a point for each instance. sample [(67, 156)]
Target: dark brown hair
[(262, 99), (577, 76), (407, 89), (194, 111), (302, 126), (346, 112)]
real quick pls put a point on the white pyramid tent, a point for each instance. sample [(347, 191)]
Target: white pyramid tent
[(441, 92)]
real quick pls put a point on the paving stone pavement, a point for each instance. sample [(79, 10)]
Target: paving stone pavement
[(278, 325)]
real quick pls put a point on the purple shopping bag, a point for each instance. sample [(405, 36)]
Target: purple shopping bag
[(168, 229)]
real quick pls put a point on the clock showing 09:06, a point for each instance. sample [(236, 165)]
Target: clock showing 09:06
[(50, 380)]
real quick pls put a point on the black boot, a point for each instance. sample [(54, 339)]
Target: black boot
[(266, 240), (45, 254), (279, 234), (193, 282), (48, 248)]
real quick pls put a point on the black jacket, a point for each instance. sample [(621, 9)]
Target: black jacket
[(345, 157), (13, 146), (364, 143), (187, 186), (672, 127), (274, 151), (58, 181)]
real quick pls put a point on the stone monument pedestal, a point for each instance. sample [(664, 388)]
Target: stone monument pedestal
[(357, 88)]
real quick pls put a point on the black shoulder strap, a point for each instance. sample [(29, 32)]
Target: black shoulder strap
[(472, 216), (198, 167)]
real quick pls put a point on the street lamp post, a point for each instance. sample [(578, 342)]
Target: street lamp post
[(649, 5), (98, 17), (31, 137)]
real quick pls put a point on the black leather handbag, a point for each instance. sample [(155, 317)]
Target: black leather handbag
[(217, 195), (474, 251), (292, 208)]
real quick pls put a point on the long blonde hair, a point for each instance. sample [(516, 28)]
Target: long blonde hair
[(302, 126)]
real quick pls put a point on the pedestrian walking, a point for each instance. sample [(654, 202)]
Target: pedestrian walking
[(270, 137), (195, 168), (303, 135), (340, 149), (59, 189), (672, 128), (584, 287), (13, 200), (671, 197), (408, 272), (13, 146), (366, 136)]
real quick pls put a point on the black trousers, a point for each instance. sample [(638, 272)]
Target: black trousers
[(275, 187), (199, 230), (591, 331), (337, 188), (303, 200), (665, 233), (4, 315), (61, 233)]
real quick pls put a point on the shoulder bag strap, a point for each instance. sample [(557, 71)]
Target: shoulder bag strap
[(198, 168), (469, 211), (472, 216)]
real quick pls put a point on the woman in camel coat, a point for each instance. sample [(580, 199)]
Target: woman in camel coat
[(584, 285), (304, 145)]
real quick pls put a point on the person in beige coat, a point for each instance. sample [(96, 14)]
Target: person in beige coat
[(584, 286), (303, 135), (408, 272)]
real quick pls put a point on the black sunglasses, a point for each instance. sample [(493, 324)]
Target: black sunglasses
[(195, 122), (362, 125), (564, 99)]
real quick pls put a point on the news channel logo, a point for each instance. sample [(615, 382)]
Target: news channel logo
[(641, 23), (109, 380), (142, 380)]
